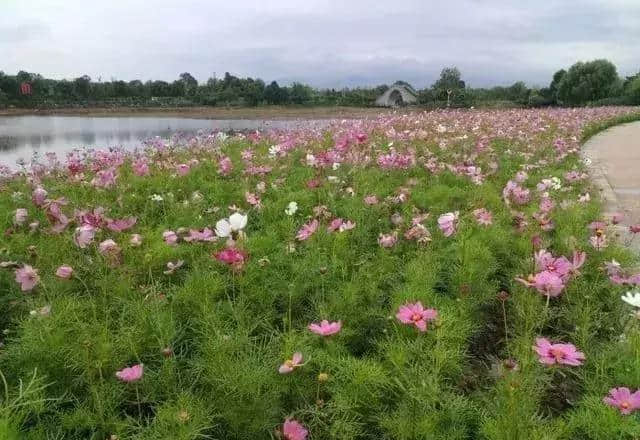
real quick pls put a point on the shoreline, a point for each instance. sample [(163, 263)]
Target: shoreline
[(248, 113)]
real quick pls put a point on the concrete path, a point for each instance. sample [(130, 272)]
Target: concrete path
[(615, 168)]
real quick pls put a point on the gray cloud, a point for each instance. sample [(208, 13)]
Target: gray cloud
[(330, 43)]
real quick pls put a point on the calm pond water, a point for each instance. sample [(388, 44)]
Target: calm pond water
[(21, 136)]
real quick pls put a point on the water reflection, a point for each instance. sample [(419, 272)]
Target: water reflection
[(22, 136)]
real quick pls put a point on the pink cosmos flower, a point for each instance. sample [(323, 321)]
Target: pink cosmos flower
[(140, 167), (131, 374), (623, 399), (545, 261), (120, 225), (340, 225), (371, 200), (108, 247), (293, 430), (565, 354), (307, 230), (104, 178), (325, 328), (21, 216), (170, 237), (225, 166), (182, 169), (252, 199), (64, 272), (483, 217), (84, 235), (387, 240), (38, 196), (291, 364), (548, 283), (447, 223), (334, 225), (246, 154), (416, 314), (634, 229), (195, 235), (28, 277), (135, 240), (419, 233)]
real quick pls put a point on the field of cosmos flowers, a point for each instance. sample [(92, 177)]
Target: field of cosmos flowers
[(441, 275)]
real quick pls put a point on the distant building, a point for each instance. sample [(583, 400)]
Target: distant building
[(398, 95)]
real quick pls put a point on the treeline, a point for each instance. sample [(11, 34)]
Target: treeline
[(585, 83), (184, 91)]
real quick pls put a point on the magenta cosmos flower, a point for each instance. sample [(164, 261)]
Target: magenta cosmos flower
[(130, 374), (416, 314), (64, 272), (623, 399), (325, 328), (561, 353), (232, 256), (28, 277), (291, 364), (294, 430)]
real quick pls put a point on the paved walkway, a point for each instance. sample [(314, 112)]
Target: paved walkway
[(615, 168)]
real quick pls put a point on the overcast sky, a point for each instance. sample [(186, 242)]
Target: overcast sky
[(330, 43)]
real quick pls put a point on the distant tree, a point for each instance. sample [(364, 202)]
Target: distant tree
[(300, 93), (82, 86), (274, 94), (253, 91), (189, 83), (586, 82), (449, 86), (633, 90), (450, 79), (519, 93), (555, 84)]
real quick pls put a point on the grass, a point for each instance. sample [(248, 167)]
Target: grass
[(211, 337)]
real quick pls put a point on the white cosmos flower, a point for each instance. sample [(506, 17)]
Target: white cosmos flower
[(236, 222), (274, 150), (632, 298), (292, 208), (156, 198), (311, 160)]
